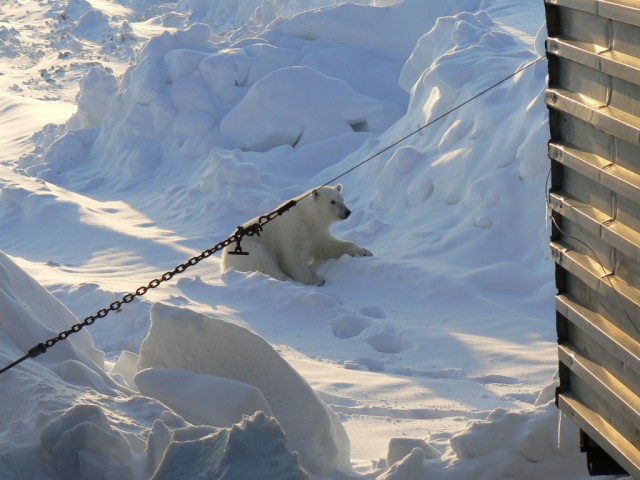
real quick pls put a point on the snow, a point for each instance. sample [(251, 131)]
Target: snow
[(191, 395), (271, 114), (221, 349), (139, 133)]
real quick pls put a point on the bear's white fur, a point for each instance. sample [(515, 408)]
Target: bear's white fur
[(291, 245)]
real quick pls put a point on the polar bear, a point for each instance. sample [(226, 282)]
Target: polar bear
[(289, 247)]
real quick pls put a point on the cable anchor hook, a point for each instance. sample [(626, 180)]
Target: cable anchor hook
[(237, 237)]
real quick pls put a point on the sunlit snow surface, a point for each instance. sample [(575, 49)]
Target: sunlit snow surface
[(140, 132)]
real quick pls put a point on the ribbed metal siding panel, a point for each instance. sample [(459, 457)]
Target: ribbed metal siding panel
[(593, 97)]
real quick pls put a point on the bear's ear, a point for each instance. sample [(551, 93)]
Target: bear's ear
[(338, 187), (316, 194)]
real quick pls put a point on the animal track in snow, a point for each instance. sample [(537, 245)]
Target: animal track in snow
[(389, 341), (499, 379), (373, 311), (348, 326)]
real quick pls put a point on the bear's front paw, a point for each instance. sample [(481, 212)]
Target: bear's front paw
[(317, 281), (362, 252)]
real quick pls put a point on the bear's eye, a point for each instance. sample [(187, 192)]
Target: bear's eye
[(333, 202)]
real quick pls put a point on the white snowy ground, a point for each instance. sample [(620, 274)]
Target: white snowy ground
[(137, 133)]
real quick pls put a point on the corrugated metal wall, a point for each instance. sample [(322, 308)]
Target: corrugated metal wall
[(593, 97)]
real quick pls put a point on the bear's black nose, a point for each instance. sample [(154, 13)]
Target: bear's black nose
[(347, 213)]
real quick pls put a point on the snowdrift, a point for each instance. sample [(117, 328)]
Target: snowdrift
[(31, 315), (68, 419), (202, 399), (181, 339)]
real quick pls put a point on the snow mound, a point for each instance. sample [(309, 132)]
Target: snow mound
[(46, 394), (68, 419), (518, 444), (32, 315), (473, 163), (202, 399), (97, 87), (410, 467), (231, 14), (83, 444), (192, 91), (529, 444), (182, 339), (274, 112), (390, 31), (255, 448), (401, 447)]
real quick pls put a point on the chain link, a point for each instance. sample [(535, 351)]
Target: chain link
[(249, 230)]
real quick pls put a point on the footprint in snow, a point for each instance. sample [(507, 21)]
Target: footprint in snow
[(348, 326), (373, 311), (389, 341)]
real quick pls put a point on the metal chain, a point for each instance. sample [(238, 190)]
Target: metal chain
[(249, 230)]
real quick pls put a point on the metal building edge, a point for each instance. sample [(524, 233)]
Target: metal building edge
[(593, 96)]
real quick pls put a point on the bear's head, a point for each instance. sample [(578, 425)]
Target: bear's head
[(329, 201)]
